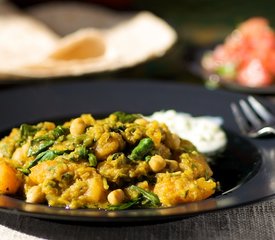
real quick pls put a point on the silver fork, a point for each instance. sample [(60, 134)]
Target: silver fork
[(253, 119)]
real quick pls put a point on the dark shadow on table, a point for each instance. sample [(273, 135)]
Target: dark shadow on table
[(237, 223)]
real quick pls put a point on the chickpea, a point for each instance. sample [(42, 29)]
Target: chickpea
[(107, 144), (25, 148), (78, 127), (157, 163), (143, 185), (49, 125), (35, 195), (88, 119), (18, 155), (116, 197), (141, 121), (173, 141), (173, 165)]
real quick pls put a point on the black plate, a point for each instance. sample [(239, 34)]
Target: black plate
[(245, 168), (192, 59)]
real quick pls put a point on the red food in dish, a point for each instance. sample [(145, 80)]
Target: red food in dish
[(247, 55)]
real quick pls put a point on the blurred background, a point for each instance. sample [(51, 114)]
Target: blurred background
[(197, 22)]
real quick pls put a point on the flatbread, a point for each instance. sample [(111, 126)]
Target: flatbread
[(66, 18), (106, 41), (23, 40), (80, 45)]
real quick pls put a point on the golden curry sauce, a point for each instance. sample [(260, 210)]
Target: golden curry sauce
[(118, 162)]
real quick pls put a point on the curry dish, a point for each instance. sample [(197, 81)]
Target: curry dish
[(118, 162)]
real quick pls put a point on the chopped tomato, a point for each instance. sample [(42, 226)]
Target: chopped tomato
[(254, 25), (270, 62), (253, 74), (251, 49)]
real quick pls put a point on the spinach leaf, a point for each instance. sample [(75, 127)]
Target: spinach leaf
[(146, 198), (92, 160), (39, 147), (152, 198), (126, 205), (26, 130), (42, 143), (43, 156), (79, 153), (126, 117)]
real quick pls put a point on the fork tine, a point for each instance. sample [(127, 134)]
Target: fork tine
[(251, 116), (240, 120), (261, 110)]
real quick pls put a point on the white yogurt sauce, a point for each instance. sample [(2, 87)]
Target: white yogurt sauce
[(204, 132)]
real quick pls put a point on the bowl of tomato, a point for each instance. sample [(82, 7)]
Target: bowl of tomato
[(245, 60)]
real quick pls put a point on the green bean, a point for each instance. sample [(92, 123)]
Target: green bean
[(79, 153), (144, 147)]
